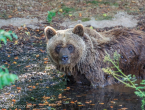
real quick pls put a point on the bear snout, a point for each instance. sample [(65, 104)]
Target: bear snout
[(64, 58)]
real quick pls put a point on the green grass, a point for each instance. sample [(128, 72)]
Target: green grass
[(66, 10), (85, 19), (101, 17), (96, 2), (130, 11)]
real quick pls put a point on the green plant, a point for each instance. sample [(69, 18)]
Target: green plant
[(50, 15), (128, 80), (4, 35), (5, 77)]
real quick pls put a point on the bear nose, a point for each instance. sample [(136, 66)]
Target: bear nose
[(64, 58)]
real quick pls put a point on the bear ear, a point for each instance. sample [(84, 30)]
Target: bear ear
[(79, 30), (49, 32)]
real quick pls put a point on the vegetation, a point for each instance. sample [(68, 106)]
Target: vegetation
[(50, 15), (96, 2), (66, 10), (63, 11), (85, 19), (128, 80), (6, 35), (5, 77)]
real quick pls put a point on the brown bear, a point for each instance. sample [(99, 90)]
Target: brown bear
[(79, 52)]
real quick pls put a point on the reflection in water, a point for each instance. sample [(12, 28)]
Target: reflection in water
[(116, 97), (112, 97)]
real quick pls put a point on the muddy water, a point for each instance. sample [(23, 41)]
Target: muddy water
[(109, 98), (81, 98)]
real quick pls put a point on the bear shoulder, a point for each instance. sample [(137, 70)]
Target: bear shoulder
[(110, 36), (98, 37)]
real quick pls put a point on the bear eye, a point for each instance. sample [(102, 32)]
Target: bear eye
[(70, 48), (57, 49)]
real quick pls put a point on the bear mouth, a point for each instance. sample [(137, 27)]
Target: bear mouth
[(64, 62)]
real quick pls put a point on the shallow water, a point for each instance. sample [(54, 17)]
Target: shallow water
[(115, 97)]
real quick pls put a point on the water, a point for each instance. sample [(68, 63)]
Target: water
[(115, 97)]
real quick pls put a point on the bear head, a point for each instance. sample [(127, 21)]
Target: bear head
[(65, 47)]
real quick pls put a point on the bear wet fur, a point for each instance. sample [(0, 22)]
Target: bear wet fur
[(79, 52)]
